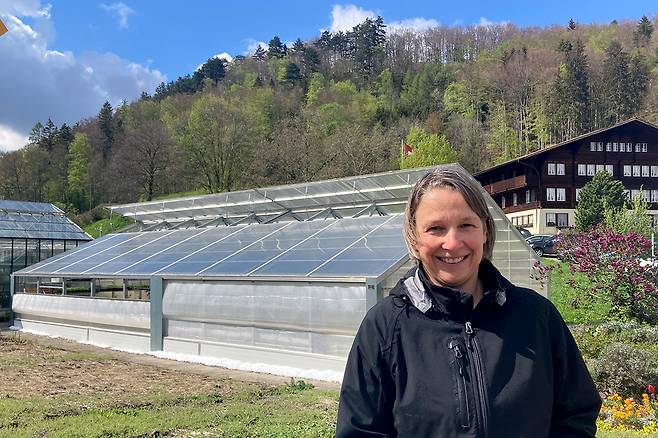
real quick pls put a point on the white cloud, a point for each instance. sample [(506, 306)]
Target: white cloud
[(43, 83), (412, 25), (24, 8), (252, 45), (486, 23), (224, 55), (345, 17), (10, 139), (121, 11)]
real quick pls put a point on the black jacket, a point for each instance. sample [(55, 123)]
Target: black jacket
[(424, 363)]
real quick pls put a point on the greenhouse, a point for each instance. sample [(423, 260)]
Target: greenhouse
[(280, 275), (31, 232)]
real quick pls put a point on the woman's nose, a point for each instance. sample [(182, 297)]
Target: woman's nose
[(452, 240)]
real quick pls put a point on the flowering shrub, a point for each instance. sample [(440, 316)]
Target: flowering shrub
[(611, 262), (625, 369), (623, 414)]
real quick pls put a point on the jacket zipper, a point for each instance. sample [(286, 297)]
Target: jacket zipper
[(464, 411), (474, 348)]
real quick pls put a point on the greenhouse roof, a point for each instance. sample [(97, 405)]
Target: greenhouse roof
[(353, 247), (344, 196), (36, 220)]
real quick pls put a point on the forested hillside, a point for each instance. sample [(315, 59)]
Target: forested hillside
[(340, 105)]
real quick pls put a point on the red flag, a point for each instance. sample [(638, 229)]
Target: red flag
[(407, 150)]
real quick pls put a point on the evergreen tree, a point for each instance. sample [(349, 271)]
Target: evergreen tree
[(106, 128), (49, 136), (259, 54), (601, 192), (643, 31), (310, 61), (639, 83), (214, 69), (298, 47), (276, 49), (368, 44), (65, 134), (572, 24), (290, 74), (616, 84), (36, 134)]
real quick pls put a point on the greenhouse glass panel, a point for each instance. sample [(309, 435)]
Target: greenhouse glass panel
[(32, 255), (46, 249)]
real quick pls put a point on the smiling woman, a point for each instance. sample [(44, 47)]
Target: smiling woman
[(456, 349)]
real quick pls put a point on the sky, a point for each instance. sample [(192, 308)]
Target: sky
[(62, 59)]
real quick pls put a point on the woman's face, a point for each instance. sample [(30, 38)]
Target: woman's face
[(450, 239)]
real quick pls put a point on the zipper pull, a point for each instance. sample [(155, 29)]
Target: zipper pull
[(458, 354), (468, 328)]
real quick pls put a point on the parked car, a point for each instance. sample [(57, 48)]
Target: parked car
[(524, 232), (542, 244)]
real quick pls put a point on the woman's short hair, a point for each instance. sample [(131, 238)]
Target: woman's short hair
[(459, 181)]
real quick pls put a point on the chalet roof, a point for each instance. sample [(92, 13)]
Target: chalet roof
[(566, 142)]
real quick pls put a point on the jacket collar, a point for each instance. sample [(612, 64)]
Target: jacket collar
[(495, 286)]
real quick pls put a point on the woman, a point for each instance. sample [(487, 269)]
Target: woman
[(456, 350)]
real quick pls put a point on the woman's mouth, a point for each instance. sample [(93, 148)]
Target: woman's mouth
[(452, 260)]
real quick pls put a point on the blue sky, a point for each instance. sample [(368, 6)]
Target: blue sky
[(66, 57)]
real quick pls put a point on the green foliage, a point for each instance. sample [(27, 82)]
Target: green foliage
[(105, 226), (600, 192), (422, 93), (428, 149), (624, 369), (78, 175), (457, 100), (622, 220)]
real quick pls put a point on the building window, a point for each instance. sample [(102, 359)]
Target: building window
[(592, 146), (622, 147), (560, 169), (514, 199), (561, 195), (599, 146), (551, 168), (550, 219), (646, 195), (615, 147), (550, 194), (637, 147), (577, 194), (627, 193), (654, 196), (634, 194), (609, 168), (608, 147), (599, 168), (562, 220), (591, 169), (644, 147), (654, 171), (629, 147), (502, 202), (645, 170), (527, 196), (582, 170), (636, 170), (627, 170)]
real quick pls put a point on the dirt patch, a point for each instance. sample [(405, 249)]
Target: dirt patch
[(40, 366)]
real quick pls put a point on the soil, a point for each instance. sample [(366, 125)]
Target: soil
[(32, 365)]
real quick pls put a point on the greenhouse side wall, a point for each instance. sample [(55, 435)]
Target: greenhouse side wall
[(109, 323), (299, 324)]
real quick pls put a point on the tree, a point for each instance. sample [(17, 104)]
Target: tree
[(624, 221), (616, 84), (259, 54), (603, 191), (643, 31), (276, 49), (106, 128), (572, 24), (214, 69), (428, 149), (290, 74), (78, 174)]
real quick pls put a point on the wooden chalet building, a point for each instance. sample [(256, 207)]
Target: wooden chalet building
[(539, 191)]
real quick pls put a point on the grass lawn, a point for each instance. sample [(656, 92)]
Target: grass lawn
[(52, 392), (102, 227)]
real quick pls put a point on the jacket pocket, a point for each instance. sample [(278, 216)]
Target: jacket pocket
[(459, 367)]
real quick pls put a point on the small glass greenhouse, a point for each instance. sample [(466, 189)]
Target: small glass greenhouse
[(280, 276), (31, 232)]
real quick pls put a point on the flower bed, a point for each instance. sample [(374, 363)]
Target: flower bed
[(627, 414)]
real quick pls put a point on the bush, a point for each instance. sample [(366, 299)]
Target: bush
[(624, 369)]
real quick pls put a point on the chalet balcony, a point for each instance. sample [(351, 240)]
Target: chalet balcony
[(506, 185), (521, 207)]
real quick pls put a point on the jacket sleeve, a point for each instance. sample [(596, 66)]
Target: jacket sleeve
[(576, 402), (367, 391)]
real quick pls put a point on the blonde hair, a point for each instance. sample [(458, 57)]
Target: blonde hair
[(459, 181)]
